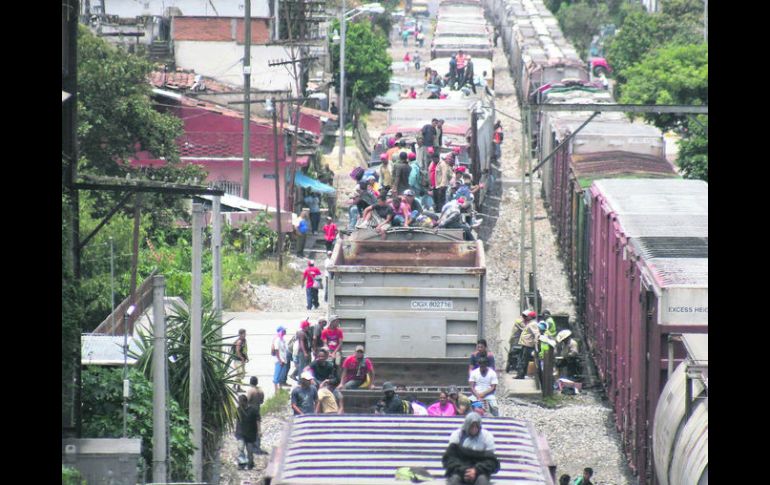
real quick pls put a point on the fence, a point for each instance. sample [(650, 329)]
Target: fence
[(143, 301)]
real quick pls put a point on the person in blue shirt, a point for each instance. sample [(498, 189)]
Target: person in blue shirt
[(302, 229), (314, 204), (481, 351)]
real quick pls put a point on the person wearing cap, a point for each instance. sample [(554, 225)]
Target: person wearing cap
[(402, 217), (451, 217), (302, 228), (278, 350), (528, 343), (567, 360), (542, 340), (332, 338), (301, 350), (385, 171), (460, 401), (391, 403), (415, 175), (330, 399), (414, 204), (304, 396), (470, 457), (315, 332), (514, 351), (321, 368), (330, 233), (357, 370), (483, 382), (548, 319), (311, 286)]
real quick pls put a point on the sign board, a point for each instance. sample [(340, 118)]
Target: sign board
[(405, 337), (431, 304), (684, 306)]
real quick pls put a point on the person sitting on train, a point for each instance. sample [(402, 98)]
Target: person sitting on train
[(417, 408), (357, 370), (322, 368), (460, 401), (451, 217), (330, 399), (470, 457), (483, 382), (481, 352), (442, 407), (391, 403), (378, 217)]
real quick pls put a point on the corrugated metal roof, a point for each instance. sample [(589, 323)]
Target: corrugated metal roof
[(105, 349), (655, 196), (367, 449), (688, 272), (672, 247), (619, 163), (665, 225)]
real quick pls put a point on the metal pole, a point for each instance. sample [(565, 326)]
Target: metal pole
[(195, 345), (246, 100), (276, 8), (522, 214), (706, 20), (532, 244), (277, 188), (216, 248), (342, 83), (670, 356), (159, 380), (125, 375)]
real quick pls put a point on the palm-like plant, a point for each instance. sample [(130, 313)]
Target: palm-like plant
[(218, 376)]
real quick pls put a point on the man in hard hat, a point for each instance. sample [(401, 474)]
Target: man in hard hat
[(514, 349), (567, 360)]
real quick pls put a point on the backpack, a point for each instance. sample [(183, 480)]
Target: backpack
[(357, 173), (407, 406), (234, 349)]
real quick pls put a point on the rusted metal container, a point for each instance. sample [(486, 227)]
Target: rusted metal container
[(648, 279), (368, 449), (680, 431), (418, 295)]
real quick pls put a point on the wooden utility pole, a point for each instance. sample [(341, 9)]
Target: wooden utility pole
[(134, 258), (246, 100), (277, 188)]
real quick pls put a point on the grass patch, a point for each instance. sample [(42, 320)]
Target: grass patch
[(267, 273), (276, 403), (350, 142), (553, 401)]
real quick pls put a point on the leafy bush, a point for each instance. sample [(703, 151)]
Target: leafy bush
[(580, 22), (71, 476), (102, 411), (275, 403)]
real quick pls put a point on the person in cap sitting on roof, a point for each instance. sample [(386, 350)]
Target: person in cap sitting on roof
[(460, 401), (567, 359), (321, 368), (312, 285), (332, 338), (451, 217), (357, 370), (304, 396), (401, 172), (378, 217), (413, 203), (391, 403), (470, 457)]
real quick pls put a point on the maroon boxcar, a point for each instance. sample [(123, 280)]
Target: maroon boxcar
[(647, 279)]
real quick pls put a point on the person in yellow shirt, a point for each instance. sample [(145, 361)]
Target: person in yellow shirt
[(330, 400)]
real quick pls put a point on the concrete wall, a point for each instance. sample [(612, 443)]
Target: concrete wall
[(220, 60), (226, 8)]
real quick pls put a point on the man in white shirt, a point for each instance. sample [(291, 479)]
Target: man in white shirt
[(327, 263), (483, 383)]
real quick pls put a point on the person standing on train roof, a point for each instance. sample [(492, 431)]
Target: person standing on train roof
[(483, 383), (470, 457), (481, 352), (469, 75), (443, 177), (401, 173), (452, 71), (462, 60), (428, 133), (385, 171)]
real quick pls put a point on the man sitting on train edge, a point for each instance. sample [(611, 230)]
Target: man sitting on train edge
[(357, 370), (470, 457)]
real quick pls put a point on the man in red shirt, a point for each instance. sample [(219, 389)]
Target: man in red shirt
[(332, 339), (311, 284), (330, 233), (357, 369)]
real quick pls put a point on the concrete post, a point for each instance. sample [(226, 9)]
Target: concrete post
[(196, 420), (342, 84), (523, 213), (246, 101), (216, 248), (159, 363)]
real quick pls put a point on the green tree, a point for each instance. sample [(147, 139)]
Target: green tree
[(673, 74), (580, 22), (218, 377), (693, 156), (102, 409), (367, 62)]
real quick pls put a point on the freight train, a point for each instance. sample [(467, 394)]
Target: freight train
[(632, 234)]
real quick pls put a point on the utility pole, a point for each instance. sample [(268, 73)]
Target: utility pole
[(342, 84), (196, 356), (134, 256), (277, 30), (277, 188), (523, 213), (216, 248), (706, 20), (158, 380), (247, 99)]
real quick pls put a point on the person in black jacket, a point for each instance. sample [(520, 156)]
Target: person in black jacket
[(470, 457), (392, 403)]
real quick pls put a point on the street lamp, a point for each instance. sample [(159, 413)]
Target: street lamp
[(375, 8)]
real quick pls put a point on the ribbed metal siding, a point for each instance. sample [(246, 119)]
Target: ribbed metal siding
[(367, 449), (680, 446), (655, 196)]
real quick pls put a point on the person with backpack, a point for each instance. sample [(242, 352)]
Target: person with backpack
[(240, 357), (415, 175), (357, 370), (300, 345), (302, 229)]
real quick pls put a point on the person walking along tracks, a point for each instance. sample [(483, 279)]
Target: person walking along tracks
[(311, 284)]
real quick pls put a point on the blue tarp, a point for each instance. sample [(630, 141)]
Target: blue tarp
[(310, 183)]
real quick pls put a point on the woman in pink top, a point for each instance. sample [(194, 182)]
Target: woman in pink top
[(401, 210), (441, 408)]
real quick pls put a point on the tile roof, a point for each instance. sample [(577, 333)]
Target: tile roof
[(184, 79), (317, 113)]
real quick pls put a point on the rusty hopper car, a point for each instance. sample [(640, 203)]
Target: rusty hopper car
[(367, 450), (415, 301)]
